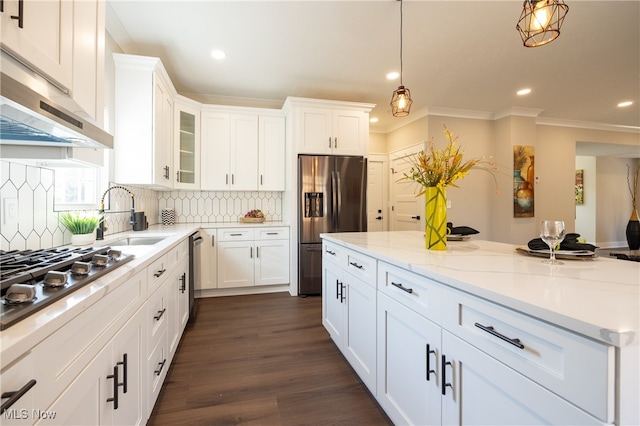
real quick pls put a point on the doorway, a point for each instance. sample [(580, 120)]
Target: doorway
[(406, 209)]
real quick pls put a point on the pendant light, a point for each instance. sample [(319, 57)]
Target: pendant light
[(540, 21), (401, 98)]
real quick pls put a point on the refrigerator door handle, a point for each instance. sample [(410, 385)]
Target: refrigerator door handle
[(334, 201)]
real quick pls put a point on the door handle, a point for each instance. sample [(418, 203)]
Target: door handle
[(415, 217), (15, 395), (379, 218), (20, 16)]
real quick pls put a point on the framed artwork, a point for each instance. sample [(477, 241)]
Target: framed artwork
[(523, 181), (579, 186)]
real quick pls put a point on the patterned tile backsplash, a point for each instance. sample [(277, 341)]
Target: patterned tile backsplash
[(38, 224)]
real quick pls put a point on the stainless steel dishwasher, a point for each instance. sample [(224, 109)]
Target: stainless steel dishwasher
[(194, 270)]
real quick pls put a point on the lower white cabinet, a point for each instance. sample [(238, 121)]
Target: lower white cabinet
[(108, 390), (249, 257), (409, 372), (349, 314), (178, 298), (208, 261)]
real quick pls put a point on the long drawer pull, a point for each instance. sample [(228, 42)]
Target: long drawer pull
[(429, 352), (489, 329), (123, 363), (114, 376), (160, 314), (160, 272), (356, 265), (160, 367), (235, 235), (444, 383), (332, 253), (401, 287), (272, 233), (15, 395)]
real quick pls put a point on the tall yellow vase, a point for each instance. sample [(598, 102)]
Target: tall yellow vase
[(435, 218)]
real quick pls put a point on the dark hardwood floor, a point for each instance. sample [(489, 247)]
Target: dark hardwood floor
[(262, 360)]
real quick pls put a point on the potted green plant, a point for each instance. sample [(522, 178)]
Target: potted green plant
[(82, 224)]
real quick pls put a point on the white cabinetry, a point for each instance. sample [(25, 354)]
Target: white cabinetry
[(209, 261), (40, 36), (349, 309), (108, 390), (186, 151), (252, 256), (271, 153), (329, 127), (242, 150), (144, 122)]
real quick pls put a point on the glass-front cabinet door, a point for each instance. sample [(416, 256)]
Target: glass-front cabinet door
[(187, 144)]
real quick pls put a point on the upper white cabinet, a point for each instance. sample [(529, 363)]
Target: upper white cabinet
[(186, 151), (271, 153), (40, 35), (242, 150), (64, 42), (329, 127), (143, 122)]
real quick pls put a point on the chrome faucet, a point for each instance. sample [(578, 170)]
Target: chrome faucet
[(101, 228)]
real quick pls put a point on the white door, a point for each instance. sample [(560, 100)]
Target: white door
[(244, 152), (333, 295), (214, 151), (376, 188), (272, 262), (235, 264), (407, 210)]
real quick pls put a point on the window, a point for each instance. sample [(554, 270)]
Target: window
[(77, 188)]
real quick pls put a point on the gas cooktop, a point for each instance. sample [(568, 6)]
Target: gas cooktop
[(32, 279)]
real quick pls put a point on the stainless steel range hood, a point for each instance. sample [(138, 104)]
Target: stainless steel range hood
[(28, 118)]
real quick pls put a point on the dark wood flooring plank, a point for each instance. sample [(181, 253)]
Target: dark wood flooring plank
[(262, 360)]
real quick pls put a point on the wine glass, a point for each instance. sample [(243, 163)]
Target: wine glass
[(552, 233)]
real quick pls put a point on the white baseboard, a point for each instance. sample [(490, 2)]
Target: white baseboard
[(241, 291)]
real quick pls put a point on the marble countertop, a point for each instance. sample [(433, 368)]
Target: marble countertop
[(598, 298)]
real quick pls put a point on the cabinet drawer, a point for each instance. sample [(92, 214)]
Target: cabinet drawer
[(334, 253), (272, 234), (416, 292), (362, 266), (178, 253), (235, 234), (156, 272), (157, 316), (576, 368)]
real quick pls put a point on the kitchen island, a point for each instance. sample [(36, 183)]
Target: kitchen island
[(568, 335)]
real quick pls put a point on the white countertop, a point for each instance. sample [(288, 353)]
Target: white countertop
[(21, 337), (597, 298)]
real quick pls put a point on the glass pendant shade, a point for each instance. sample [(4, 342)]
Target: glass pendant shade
[(401, 102), (540, 21)]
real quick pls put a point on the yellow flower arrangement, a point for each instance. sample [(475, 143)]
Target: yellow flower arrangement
[(444, 167)]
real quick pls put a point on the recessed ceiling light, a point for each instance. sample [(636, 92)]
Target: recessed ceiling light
[(373, 119), (625, 104), (218, 54), (523, 92), (393, 75)]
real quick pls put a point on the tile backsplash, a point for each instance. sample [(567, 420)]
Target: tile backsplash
[(29, 193)]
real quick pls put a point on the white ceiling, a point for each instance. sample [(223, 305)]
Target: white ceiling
[(463, 55)]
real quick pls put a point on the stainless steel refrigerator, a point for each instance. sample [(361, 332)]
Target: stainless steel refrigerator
[(332, 199)]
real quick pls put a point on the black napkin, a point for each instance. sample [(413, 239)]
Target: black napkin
[(570, 243), (461, 230)]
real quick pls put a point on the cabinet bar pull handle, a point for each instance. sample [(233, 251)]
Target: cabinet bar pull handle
[(114, 376), (160, 367), (20, 16), (272, 233), (213, 241), (401, 287), (355, 264), (1, 5), (15, 395), (183, 280), (250, 252), (166, 172), (342, 295), (123, 363), (489, 329), (337, 289), (226, 179), (233, 179), (444, 375), (335, 142), (235, 235), (260, 179), (160, 314), (332, 253), (329, 141), (160, 272), (429, 370)]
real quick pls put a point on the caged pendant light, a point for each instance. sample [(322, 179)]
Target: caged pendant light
[(401, 98), (540, 21)]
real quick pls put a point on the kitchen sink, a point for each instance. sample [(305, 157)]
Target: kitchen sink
[(136, 241)]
